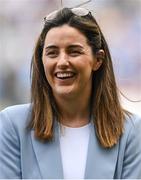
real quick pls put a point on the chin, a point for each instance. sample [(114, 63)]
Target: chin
[(65, 92)]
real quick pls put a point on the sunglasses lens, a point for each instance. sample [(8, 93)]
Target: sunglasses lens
[(50, 16), (80, 11)]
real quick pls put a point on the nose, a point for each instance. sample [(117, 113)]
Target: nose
[(63, 60)]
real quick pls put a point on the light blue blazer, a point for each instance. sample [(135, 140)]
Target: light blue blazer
[(23, 156)]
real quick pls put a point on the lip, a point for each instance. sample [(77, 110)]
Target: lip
[(65, 72), (65, 81)]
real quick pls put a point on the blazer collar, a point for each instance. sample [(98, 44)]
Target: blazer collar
[(48, 156), (100, 163)]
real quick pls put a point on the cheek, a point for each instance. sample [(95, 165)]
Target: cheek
[(48, 68), (86, 66), (45, 67)]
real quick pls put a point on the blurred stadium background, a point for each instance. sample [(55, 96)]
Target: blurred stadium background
[(21, 23)]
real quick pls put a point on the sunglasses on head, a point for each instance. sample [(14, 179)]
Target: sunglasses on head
[(77, 11)]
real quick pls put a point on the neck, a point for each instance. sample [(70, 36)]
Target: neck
[(74, 112)]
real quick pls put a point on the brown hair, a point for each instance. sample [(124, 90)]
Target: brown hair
[(105, 106)]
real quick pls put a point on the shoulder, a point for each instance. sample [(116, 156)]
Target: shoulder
[(13, 135), (17, 109), (132, 132), (129, 154), (16, 115), (132, 123)]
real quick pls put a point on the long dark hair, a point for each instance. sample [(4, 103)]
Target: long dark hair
[(105, 105)]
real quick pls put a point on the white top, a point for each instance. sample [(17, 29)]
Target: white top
[(74, 146)]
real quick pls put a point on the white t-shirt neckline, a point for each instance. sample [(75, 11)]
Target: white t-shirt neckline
[(74, 147)]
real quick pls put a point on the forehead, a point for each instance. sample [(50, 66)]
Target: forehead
[(65, 34)]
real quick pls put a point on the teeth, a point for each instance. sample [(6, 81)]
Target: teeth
[(64, 75)]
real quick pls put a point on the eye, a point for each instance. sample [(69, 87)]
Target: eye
[(51, 54), (75, 53)]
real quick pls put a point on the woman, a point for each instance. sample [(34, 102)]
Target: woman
[(75, 126)]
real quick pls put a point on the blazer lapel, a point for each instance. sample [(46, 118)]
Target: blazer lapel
[(48, 156), (101, 162)]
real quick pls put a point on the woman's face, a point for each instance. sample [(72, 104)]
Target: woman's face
[(68, 62)]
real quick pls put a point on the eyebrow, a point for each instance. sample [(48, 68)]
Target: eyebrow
[(51, 47), (76, 46), (70, 46)]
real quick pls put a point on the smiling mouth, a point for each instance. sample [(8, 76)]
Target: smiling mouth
[(65, 75)]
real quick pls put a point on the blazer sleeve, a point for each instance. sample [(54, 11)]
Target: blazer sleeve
[(132, 156), (10, 166)]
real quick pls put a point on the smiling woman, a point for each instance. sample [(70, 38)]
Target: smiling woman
[(75, 121), (68, 63)]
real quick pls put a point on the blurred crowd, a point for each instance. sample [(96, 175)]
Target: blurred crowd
[(21, 22)]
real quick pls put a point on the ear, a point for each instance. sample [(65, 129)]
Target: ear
[(99, 57)]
